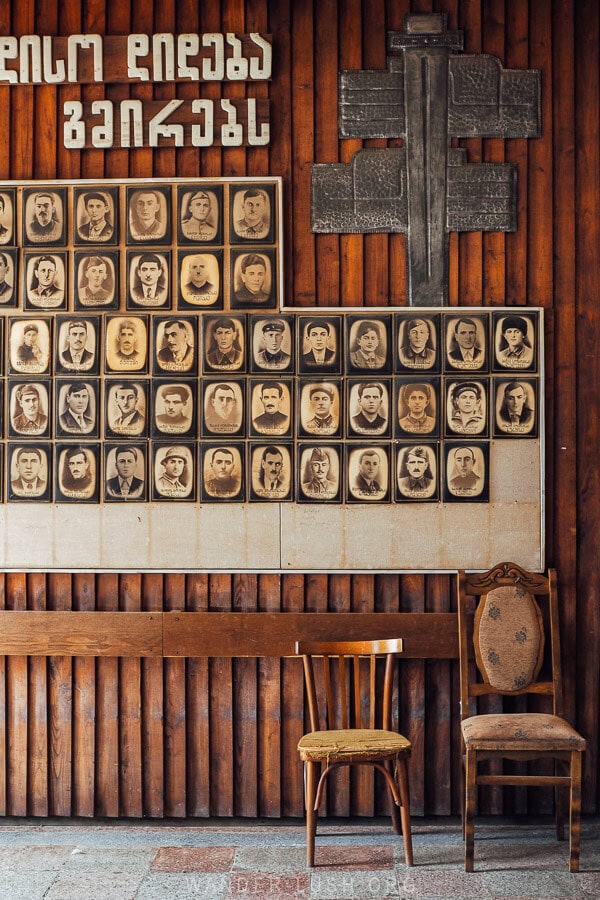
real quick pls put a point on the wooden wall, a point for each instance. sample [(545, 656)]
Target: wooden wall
[(175, 737)]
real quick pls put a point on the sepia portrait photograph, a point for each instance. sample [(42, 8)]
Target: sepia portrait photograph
[(126, 413), (77, 343), (8, 278), (148, 279), (76, 472), (319, 344), (174, 408), (175, 345), (271, 472), (515, 408), (466, 407), (45, 281), (173, 468), (319, 473), (222, 407), (222, 472), (29, 410), (252, 279), (271, 407), (200, 216), (7, 216), (466, 472), (272, 344), (44, 216), (368, 474), (200, 279), (368, 345), (514, 342), (29, 346), (466, 342), (126, 344), (148, 215), (417, 407), (125, 472), (96, 280), (320, 408), (96, 216), (417, 343), (77, 408), (224, 341), (368, 408), (252, 213), (417, 473), (29, 472)]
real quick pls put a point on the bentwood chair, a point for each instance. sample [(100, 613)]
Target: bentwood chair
[(350, 736), (507, 637)]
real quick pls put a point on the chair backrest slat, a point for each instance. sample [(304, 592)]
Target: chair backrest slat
[(343, 694)]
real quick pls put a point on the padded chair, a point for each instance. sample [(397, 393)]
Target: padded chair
[(324, 751), (507, 637)]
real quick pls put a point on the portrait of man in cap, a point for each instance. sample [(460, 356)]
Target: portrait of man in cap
[(320, 473), (174, 473), (466, 407), (199, 215), (416, 473), (29, 403), (320, 408), (270, 353), (29, 346), (73, 337), (514, 343), (416, 344)]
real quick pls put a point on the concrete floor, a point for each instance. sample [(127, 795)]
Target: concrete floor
[(59, 859)]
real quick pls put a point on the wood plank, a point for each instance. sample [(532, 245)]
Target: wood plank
[(220, 705), (80, 633), (153, 710), (245, 710), (3, 705), (60, 707), (412, 695), (130, 711), (84, 708), (16, 710), (175, 712), (270, 726), (363, 780), (107, 711), (38, 712), (197, 711), (292, 707)]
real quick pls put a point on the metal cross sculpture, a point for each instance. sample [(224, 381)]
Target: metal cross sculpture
[(426, 188)]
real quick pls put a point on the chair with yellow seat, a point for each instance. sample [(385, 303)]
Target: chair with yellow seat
[(352, 704)]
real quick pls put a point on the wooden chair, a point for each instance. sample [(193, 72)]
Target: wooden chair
[(507, 636), (352, 744)]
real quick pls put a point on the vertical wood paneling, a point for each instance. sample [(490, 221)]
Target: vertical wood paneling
[(84, 708), (269, 711), (197, 717), (37, 779), (153, 711), (130, 711)]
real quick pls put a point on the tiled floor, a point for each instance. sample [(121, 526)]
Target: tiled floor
[(226, 860)]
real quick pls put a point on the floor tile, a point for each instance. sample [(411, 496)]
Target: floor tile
[(180, 886), (32, 858), (269, 886), (94, 886), (345, 857), (114, 859), (270, 859), (193, 859), (354, 885), (25, 885)]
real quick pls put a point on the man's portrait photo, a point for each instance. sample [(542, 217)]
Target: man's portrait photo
[(252, 280), (125, 472), (515, 406), (224, 341), (45, 281), (29, 345), (271, 407), (44, 216), (466, 407), (97, 281), (367, 345), (199, 279), (272, 344), (29, 472), (126, 408), (147, 215), (77, 408), (222, 473), (7, 214), (319, 344), (466, 472), (417, 408), (416, 473), (271, 472), (199, 214), (29, 406), (320, 406), (77, 468), (223, 408), (251, 214), (174, 408), (148, 279), (175, 345), (514, 342), (466, 341), (417, 343), (8, 277), (368, 474), (76, 342), (319, 473), (368, 408), (126, 344), (96, 215), (173, 473)]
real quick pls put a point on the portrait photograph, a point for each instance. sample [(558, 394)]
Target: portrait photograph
[(417, 473), (148, 214), (515, 408), (125, 472), (222, 472), (271, 472), (29, 472), (45, 280), (126, 344), (252, 213), (173, 472), (148, 280), (96, 216), (29, 409), (96, 280), (126, 409), (200, 213), (514, 342), (7, 216), (253, 281), (222, 407), (272, 344), (368, 408), (417, 405), (8, 278), (466, 343), (175, 345), (174, 408), (76, 468), (224, 343), (77, 408), (76, 339), (44, 216), (467, 407), (199, 280), (271, 407), (319, 347), (320, 407), (319, 469), (466, 472), (368, 470), (368, 345), (29, 346), (417, 343)]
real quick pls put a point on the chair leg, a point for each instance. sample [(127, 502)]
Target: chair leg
[(310, 790), (470, 797), (394, 809), (405, 811), (559, 803), (575, 811)]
